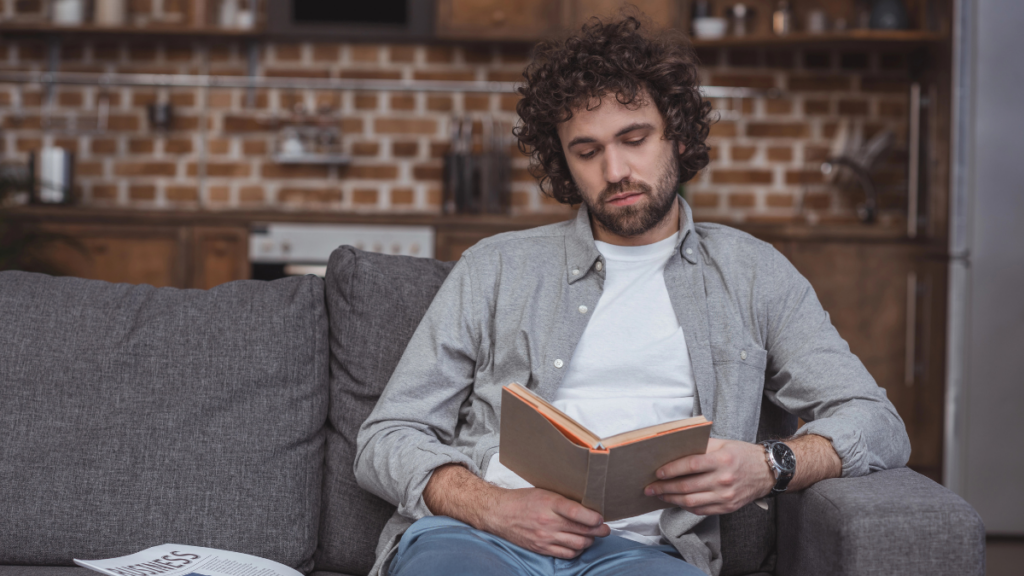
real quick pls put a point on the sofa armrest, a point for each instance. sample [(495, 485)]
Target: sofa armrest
[(889, 522)]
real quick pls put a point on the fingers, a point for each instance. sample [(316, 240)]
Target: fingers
[(687, 465), (576, 513)]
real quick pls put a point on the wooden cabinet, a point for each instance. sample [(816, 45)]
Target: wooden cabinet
[(887, 301), (219, 255), (498, 19), (662, 13)]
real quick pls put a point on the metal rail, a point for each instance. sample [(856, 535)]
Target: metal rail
[(324, 84)]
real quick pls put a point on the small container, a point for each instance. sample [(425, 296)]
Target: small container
[(710, 28), (817, 21), (108, 13), (782, 19), (69, 12)]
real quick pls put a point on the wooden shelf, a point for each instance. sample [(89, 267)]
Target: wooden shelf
[(89, 29), (852, 37)]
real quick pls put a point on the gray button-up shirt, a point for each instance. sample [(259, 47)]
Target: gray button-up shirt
[(509, 312)]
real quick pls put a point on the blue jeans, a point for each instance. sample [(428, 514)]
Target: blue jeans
[(441, 546)]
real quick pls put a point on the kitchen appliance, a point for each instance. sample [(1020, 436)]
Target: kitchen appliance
[(52, 172), (277, 250), (477, 182), (381, 20)]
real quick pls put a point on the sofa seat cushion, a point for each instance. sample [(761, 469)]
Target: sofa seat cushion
[(375, 302), (132, 416)]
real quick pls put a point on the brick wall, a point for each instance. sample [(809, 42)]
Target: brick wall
[(766, 152)]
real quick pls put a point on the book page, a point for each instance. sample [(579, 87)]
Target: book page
[(571, 428), (650, 431)]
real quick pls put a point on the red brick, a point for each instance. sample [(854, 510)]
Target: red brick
[(365, 148), (439, 149), (219, 194), (723, 130), (140, 145), (780, 154), (804, 177), (779, 200), (221, 98), (72, 99), (325, 52), (249, 124), (884, 85), (446, 75), (892, 109), (28, 144), (178, 145), (364, 196), (405, 126), (121, 122), (778, 106), (309, 196), (741, 176), (371, 74), (403, 53), (103, 146), (404, 149), (182, 193), (254, 147), (31, 98), (816, 107), (144, 169), (425, 172), (327, 100), (364, 101), (369, 172), (402, 196), (402, 102), (742, 200), (365, 53), (434, 196), (819, 83), (476, 102), (218, 146), (509, 101), (853, 107), (89, 168), (742, 153), (142, 192), (297, 73), (439, 103), (440, 54), (287, 51), (743, 80), (816, 153), (515, 53), (104, 192), (251, 194), (221, 169), (704, 200), (272, 170), (518, 198), (817, 200), (778, 130), (505, 76), (183, 99)]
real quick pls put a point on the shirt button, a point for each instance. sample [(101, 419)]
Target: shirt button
[(689, 250), (599, 266), (559, 363), (575, 271), (583, 309), (743, 354)]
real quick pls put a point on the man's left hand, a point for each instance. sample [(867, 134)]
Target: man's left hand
[(729, 476)]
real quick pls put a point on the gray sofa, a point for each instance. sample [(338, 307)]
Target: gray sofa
[(132, 416)]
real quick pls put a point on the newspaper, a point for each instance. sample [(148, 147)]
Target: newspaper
[(180, 560)]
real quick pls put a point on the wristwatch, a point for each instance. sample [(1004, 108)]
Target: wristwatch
[(782, 461)]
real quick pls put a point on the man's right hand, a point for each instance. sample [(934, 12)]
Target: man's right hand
[(538, 520)]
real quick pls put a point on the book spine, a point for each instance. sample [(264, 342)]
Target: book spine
[(597, 476)]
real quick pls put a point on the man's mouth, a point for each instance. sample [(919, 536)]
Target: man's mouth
[(625, 198)]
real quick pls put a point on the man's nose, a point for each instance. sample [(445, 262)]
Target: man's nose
[(616, 169)]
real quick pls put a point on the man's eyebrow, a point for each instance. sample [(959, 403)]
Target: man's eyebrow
[(626, 130)]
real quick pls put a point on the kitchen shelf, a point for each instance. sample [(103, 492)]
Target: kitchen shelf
[(157, 29), (852, 37)]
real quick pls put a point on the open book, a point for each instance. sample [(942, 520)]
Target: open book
[(552, 451), (181, 560)]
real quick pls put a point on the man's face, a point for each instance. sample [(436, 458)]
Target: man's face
[(625, 171)]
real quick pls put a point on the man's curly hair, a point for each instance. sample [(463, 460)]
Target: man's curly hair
[(609, 58)]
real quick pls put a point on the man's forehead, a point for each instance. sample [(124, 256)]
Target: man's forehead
[(607, 115)]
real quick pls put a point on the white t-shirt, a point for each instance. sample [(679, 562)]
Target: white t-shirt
[(631, 368)]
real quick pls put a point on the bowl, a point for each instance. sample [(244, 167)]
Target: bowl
[(708, 28)]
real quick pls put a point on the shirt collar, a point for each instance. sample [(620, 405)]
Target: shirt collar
[(581, 253)]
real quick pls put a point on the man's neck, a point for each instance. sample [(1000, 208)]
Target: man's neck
[(668, 226)]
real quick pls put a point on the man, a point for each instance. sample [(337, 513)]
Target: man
[(627, 316)]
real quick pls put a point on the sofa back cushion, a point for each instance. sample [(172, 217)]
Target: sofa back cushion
[(132, 416), (374, 302)]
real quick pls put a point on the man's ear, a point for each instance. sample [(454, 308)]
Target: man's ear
[(682, 148)]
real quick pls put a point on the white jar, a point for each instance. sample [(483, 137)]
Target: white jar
[(68, 12)]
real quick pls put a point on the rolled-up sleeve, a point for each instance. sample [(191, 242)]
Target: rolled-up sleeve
[(812, 373), (410, 430)]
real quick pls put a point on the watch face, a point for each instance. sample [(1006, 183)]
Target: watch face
[(784, 457)]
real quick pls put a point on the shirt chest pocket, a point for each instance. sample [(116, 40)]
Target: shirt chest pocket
[(739, 386)]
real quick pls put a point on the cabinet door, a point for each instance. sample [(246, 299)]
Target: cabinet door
[(662, 13), (219, 255), (498, 19), (132, 254), (882, 298)]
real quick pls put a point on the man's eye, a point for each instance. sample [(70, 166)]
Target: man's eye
[(637, 142), (588, 155)]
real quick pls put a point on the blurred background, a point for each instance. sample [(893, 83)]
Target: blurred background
[(876, 143)]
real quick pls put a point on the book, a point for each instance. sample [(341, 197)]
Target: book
[(182, 560), (552, 451)]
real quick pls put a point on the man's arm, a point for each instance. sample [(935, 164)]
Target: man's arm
[(732, 474), (535, 519)]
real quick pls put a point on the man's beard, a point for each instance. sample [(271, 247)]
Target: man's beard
[(636, 219)]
